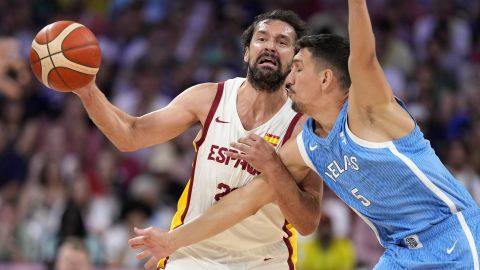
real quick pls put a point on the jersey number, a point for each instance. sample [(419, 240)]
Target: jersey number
[(362, 199), (224, 190)]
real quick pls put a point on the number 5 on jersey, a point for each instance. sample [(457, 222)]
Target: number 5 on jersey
[(364, 200)]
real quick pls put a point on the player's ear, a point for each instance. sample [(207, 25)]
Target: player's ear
[(246, 55), (326, 77)]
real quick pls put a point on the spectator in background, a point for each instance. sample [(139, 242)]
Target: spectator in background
[(10, 249), (367, 248), (14, 73), (117, 253), (326, 252), (12, 167), (445, 28), (72, 226), (459, 166), (152, 190), (72, 255), (103, 179), (393, 51)]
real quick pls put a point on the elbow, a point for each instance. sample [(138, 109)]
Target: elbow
[(310, 227), (307, 229), (127, 143), (125, 148), (304, 231)]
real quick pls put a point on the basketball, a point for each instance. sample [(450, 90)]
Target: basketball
[(65, 56)]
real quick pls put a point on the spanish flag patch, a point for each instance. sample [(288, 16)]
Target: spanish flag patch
[(272, 139)]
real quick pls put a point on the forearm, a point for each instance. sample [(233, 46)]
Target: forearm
[(114, 123), (362, 40), (229, 211), (301, 209), (214, 221)]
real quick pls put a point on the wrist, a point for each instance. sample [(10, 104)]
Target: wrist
[(85, 91), (273, 166), (81, 93), (173, 240)]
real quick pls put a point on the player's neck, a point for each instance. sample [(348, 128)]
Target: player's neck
[(326, 116), (256, 107)]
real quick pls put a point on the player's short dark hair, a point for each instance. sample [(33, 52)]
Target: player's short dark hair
[(332, 51), (286, 16)]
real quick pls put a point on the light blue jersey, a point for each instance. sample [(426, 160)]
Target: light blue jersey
[(402, 190)]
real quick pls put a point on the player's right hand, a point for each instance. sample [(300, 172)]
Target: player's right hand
[(87, 88), (256, 151), (154, 242)]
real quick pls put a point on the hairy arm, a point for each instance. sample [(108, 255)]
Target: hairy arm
[(300, 201), (233, 208), (373, 112), (298, 190), (129, 133), (230, 210)]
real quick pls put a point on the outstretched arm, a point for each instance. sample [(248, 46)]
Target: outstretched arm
[(373, 112), (129, 133), (231, 209), (369, 84)]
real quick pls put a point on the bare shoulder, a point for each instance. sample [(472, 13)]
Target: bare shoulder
[(291, 157), (299, 126), (197, 99), (289, 153), (198, 95)]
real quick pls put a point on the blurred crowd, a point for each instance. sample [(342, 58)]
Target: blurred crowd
[(61, 178)]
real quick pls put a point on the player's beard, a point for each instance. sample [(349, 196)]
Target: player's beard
[(265, 79), (297, 107)]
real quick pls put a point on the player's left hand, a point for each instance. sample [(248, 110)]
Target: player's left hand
[(256, 151), (155, 244)]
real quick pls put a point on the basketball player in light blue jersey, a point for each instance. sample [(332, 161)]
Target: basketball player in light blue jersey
[(367, 148)]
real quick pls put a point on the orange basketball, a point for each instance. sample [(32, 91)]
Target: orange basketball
[(65, 56)]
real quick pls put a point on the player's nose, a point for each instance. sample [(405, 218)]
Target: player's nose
[(270, 46), (290, 81)]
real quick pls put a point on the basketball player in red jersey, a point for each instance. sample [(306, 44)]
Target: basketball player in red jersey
[(228, 111)]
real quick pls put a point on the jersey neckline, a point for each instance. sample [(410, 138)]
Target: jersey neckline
[(284, 107)]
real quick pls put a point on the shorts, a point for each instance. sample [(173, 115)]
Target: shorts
[(208, 257), (452, 244)]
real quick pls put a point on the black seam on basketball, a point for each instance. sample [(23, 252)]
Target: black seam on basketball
[(79, 46), (53, 64)]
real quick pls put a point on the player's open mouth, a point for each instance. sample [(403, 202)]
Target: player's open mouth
[(267, 61)]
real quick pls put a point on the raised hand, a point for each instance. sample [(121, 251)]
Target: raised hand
[(155, 243)]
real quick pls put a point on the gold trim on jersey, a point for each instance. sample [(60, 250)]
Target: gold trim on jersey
[(177, 218), (292, 240)]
